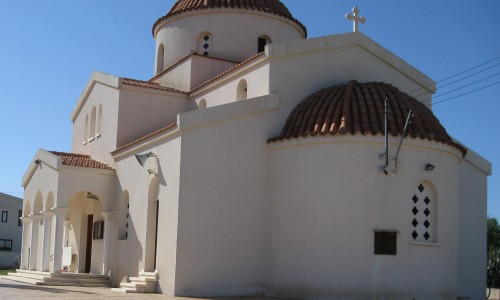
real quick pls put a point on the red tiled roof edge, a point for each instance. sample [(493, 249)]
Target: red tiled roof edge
[(137, 141), (80, 160), (227, 71), (273, 7), (358, 108), (150, 85)]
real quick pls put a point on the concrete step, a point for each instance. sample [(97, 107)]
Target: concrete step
[(145, 283), (124, 290), (60, 279), (21, 279)]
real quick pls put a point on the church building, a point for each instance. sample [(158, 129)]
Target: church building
[(259, 162)]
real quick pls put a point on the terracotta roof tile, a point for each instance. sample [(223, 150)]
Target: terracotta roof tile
[(80, 160), (274, 7), (150, 85), (137, 141), (358, 108)]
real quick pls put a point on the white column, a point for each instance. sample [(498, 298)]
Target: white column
[(25, 243), (109, 221), (35, 225), (47, 234), (58, 238)]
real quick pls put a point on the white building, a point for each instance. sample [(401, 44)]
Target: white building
[(10, 230), (250, 165)]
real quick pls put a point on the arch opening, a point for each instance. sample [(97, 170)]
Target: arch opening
[(160, 59), (242, 90)]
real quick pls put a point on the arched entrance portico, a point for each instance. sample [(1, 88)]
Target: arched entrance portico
[(84, 234)]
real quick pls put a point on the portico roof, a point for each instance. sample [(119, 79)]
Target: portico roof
[(80, 160)]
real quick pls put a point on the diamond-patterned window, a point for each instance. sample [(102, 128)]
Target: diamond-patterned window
[(423, 214), (205, 44)]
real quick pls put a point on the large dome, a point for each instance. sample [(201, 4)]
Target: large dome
[(274, 7), (358, 108)]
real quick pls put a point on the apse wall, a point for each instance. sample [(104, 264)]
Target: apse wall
[(328, 199)]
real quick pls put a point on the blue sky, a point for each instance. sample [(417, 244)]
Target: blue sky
[(50, 48)]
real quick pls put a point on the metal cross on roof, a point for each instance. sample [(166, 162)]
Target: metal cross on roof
[(356, 18)]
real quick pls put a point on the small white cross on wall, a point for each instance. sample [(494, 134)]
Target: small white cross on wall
[(356, 18)]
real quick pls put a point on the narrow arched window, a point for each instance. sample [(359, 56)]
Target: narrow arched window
[(262, 41), (205, 44), (92, 123), (202, 104), (86, 132), (160, 58), (242, 91), (99, 121)]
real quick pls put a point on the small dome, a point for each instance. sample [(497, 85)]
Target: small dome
[(274, 7), (358, 108)]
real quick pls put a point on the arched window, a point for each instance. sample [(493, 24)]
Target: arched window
[(202, 104), (205, 44), (86, 133), (92, 123), (262, 41), (424, 214), (99, 121), (160, 57), (242, 90), (124, 217)]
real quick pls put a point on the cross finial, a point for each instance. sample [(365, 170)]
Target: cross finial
[(356, 18)]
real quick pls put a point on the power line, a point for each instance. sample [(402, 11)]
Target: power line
[(470, 92), (462, 87), (463, 78), (453, 76)]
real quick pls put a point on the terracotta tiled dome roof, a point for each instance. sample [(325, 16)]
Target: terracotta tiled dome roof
[(274, 7), (358, 108)]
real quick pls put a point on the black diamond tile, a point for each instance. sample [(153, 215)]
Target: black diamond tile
[(427, 200), (427, 212), (427, 224), (206, 46), (421, 188), (414, 223), (414, 211), (206, 38), (427, 236), (415, 199), (205, 53), (414, 235)]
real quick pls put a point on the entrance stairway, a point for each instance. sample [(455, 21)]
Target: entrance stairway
[(145, 283), (59, 279)]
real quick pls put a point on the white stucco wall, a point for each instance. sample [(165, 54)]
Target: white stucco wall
[(136, 181), (193, 71), (98, 146), (326, 199), (226, 90), (472, 226), (222, 204), (236, 42), (143, 111)]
